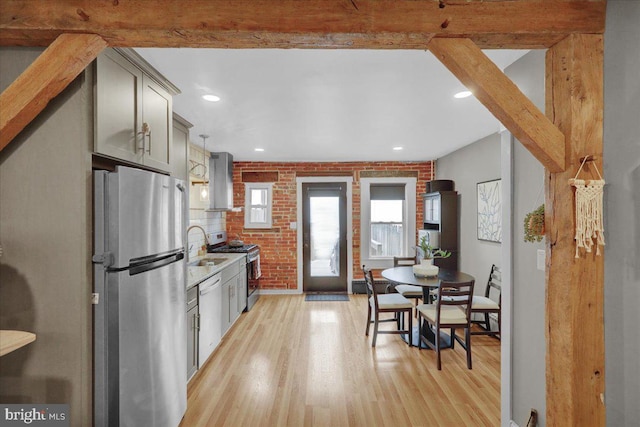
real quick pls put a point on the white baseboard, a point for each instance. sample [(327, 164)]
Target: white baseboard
[(279, 292)]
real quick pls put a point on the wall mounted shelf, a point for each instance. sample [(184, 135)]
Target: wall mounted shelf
[(13, 340)]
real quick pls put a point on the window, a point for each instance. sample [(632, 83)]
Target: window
[(257, 212), (388, 212), (387, 219)]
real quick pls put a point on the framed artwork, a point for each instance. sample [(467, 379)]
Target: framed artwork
[(489, 197)]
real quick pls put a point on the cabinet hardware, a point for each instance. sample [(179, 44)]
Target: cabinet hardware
[(149, 150), (144, 132)]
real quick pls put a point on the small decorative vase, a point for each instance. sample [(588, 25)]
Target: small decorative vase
[(426, 268)]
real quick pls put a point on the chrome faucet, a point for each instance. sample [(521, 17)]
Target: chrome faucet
[(206, 239)]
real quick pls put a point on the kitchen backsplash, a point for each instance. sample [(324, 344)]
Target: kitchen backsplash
[(198, 177), (210, 221)]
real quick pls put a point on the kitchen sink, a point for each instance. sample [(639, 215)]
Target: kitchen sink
[(209, 261)]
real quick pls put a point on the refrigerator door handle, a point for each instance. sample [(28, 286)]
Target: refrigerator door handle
[(161, 262)]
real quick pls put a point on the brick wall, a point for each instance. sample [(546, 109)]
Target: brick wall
[(278, 252)]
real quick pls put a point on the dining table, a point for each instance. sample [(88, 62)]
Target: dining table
[(404, 275)]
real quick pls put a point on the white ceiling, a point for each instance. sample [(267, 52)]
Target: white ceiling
[(325, 105)]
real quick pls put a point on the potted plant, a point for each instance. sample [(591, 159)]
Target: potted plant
[(429, 253), (534, 225)]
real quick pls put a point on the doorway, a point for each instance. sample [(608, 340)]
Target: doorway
[(324, 237)]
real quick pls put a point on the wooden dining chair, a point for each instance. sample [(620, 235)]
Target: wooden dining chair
[(451, 310), (408, 291), (489, 305), (386, 303)]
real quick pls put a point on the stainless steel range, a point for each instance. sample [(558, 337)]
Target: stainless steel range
[(219, 244)]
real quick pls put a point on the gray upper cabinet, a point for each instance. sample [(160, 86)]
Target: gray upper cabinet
[(134, 112), (157, 114), (118, 109), (180, 149)]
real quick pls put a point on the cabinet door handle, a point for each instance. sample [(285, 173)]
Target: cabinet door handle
[(149, 149), (146, 130), (143, 131), (196, 318)]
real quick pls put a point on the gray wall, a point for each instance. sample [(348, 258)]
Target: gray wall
[(622, 212), (622, 230), (474, 163), (527, 339), (479, 162), (45, 272)]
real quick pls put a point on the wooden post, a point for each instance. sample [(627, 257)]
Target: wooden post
[(574, 286), (43, 80)]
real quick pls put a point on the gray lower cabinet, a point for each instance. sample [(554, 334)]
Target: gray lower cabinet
[(226, 297), (242, 288), (133, 111), (234, 293), (233, 301), (193, 327), (229, 303)]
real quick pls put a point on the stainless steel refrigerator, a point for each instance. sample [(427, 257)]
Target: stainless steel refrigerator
[(140, 342)]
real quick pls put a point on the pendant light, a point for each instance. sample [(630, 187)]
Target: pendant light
[(204, 193)]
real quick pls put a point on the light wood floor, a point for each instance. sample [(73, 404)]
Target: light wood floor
[(288, 362)]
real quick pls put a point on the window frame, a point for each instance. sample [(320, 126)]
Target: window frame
[(248, 186), (409, 224)]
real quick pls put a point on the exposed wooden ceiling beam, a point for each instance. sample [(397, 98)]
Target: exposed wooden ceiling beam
[(503, 98), (45, 78), (301, 24)]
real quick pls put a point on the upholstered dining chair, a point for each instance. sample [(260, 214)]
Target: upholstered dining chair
[(408, 291), (386, 303), (489, 305), (451, 310)]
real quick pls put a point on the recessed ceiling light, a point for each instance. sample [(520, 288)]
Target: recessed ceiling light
[(258, 149), (463, 94), (397, 148), (211, 98)]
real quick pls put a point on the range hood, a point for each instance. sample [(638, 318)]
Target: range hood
[(220, 182)]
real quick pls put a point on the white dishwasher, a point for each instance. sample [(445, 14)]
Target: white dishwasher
[(210, 306)]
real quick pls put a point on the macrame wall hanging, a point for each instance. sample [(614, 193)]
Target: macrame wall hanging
[(589, 210)]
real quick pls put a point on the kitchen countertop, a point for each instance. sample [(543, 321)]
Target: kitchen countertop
[(196, 273)]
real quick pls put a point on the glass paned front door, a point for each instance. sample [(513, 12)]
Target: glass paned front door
[(324, 216), (324, 230)]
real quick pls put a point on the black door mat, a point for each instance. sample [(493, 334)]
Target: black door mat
[(326, 297)]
